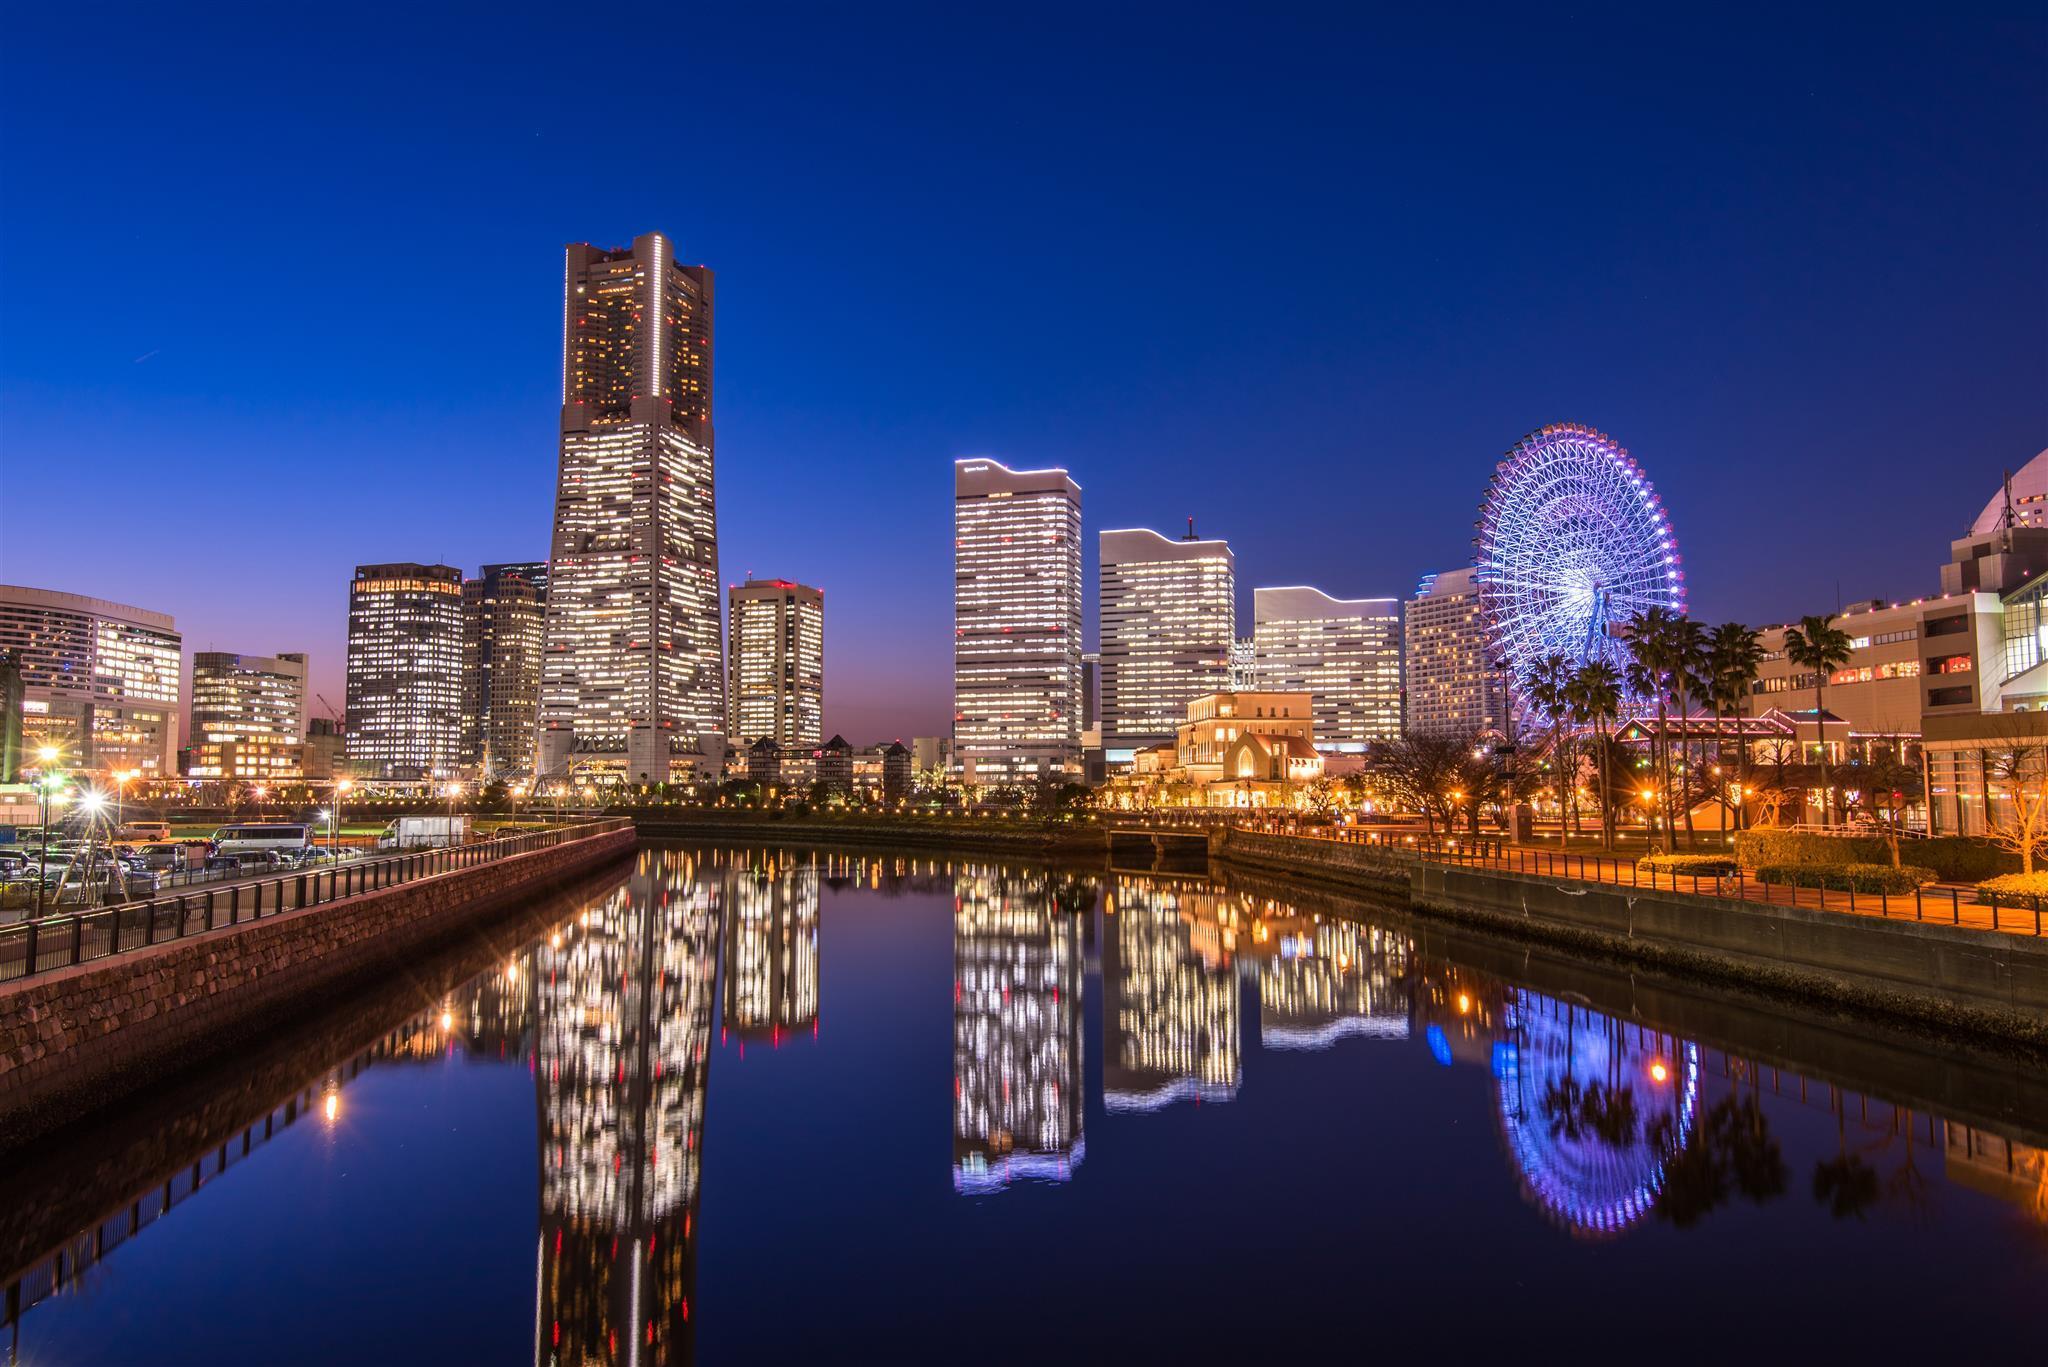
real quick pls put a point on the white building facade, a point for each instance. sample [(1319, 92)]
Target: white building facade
[(1345, 653), (1017, 697), (1169, 625)]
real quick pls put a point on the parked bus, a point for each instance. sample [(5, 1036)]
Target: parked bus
[(272, 842)]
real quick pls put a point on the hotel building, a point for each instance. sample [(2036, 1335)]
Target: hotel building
[(632, 674), (405, 671), (1017, 697), (248, 716), (1169, 623), (99, 680), (1448, 687), (1345, 653), (502, 615), (775, 663)]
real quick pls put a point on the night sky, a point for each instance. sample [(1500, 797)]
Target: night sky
[(280, 288)]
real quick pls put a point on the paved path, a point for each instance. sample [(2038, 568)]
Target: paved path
[(1940, 903)]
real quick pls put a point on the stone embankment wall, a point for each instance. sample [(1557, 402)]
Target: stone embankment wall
[(81, 1035), (1973, 980)]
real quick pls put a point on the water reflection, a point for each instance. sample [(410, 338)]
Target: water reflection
[(1017, 1080), (1170, 1000), (625, 998), (1604, 1120)]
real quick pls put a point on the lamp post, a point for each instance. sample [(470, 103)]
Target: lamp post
[(454, 791), (48, 755), (341, 787)]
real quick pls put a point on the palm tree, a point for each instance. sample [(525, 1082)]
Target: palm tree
[(1653, 660), (1545, 687), (1595, 694), (1688, 683), (1820, 646), (1735, 659)]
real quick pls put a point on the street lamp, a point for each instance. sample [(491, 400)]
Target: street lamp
[(48, 754)]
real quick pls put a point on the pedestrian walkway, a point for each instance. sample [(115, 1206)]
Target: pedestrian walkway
[(1939, 903)]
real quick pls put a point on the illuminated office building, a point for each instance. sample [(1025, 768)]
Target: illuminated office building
[(405, 670), (625, 1007), (1169, 625), (775, 663), (1017, 1066), (1171, 1013), (502, 613), (1450, 690), (99, 680), (1345, 653), (771, 948), (632, 675), (1017, 698), (248, 717)]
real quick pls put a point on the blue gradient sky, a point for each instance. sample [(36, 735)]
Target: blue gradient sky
[(280, 288)]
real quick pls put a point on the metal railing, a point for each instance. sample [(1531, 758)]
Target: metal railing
[(39, 946), (1942, 904)]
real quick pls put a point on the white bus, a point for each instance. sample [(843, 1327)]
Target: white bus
[(234, 843)]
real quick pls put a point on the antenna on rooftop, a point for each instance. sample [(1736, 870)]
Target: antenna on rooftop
[(1191, 532)]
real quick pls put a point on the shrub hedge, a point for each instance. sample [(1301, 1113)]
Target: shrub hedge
[(1848, 877), (1690, 865), (2016, 890), (1954, 858)]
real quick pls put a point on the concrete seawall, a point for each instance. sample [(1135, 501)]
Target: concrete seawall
[(76, 1037), (1971, 980)]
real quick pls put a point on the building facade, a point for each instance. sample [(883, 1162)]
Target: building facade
[(99, 680), (1168, 627), (1017, 695), (502, 616), (632, 675), (405, 671), (248, 717), (1931, 657), (1344, 652), (1449, 687), (775, 663)]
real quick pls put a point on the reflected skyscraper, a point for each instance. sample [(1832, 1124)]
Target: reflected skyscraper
[(1170, 1012), (771, 947), (1017, 1062), (1327, 980), (625, 1000)]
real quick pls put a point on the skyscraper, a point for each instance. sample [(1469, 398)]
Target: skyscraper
[(405, 670), (776, 663), (1344, 652), (501, 638), (632, 674), (99, 680), (1449, 688), (1169, 621), (1016, 621)]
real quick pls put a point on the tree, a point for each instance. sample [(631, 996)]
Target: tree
[(1689, 682), (1594, 696), (2016, 793), (1887, 786), (1423, 772), (1822, 647), (1734, 659), (1653, 658), (1548, 688)]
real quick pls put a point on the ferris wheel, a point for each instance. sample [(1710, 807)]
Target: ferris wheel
[(1572, 543)]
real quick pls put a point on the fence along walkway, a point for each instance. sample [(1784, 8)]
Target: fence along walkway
[(32, 947), (1943, 904)]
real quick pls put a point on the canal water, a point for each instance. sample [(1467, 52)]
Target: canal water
[(770, 1106)]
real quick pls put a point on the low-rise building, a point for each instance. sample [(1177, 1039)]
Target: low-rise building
[(1251, 749), (1931, 657)]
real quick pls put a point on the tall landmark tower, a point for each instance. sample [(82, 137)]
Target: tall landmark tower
[(632, 675)]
